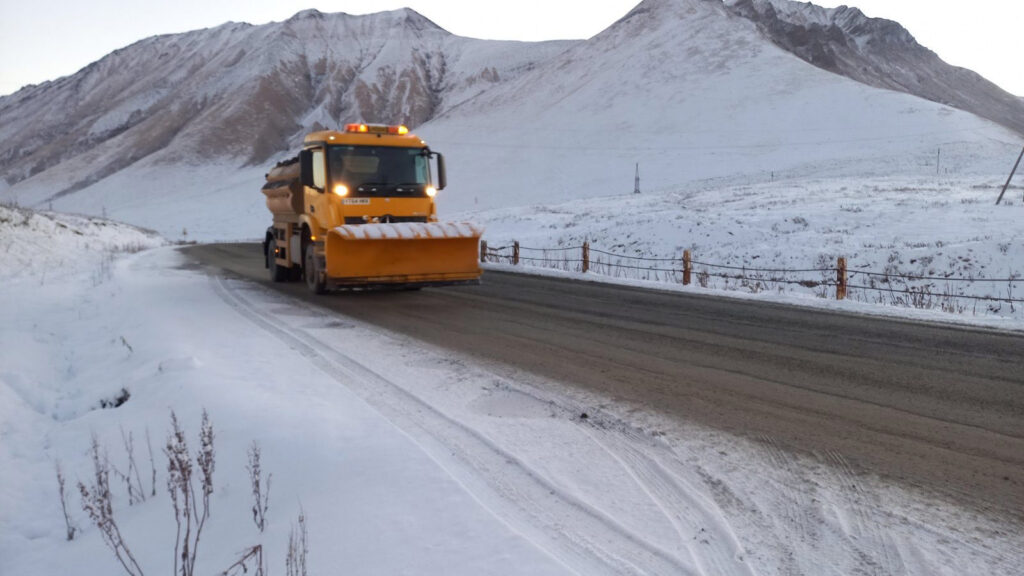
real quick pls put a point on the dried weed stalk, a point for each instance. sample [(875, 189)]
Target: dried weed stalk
[(152, 465), (69, 524), (254, 555), (98, 504), (298, 549), (188, 515), (131, 478), (260, 487)]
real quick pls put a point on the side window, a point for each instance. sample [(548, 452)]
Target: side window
[(319, 176)]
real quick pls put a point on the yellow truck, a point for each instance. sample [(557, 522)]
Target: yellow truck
[(356, 208)]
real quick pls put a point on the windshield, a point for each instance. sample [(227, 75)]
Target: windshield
[(379, 170)]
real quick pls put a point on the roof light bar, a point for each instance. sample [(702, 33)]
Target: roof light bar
[(398, 130)]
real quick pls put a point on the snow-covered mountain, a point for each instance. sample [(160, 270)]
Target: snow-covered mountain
[(690, 89)]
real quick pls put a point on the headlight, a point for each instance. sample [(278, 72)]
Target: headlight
[(431, 191), (341, 190)]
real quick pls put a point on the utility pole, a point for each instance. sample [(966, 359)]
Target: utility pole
[(1012, 172), (938, 156), (636, 182)]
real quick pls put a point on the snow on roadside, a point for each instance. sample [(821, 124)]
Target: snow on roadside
[(374, 502), (51, 243)]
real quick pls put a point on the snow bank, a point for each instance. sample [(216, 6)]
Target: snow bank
[(34, 243), (374, 501)]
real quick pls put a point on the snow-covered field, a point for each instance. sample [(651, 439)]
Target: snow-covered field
[(404, 458)]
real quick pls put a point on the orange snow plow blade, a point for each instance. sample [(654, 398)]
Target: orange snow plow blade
[(428, 253)]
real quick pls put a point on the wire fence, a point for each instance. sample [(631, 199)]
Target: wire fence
[(956, 294)]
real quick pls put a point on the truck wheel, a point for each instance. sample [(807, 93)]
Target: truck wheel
[(312, 271), (277, 273)]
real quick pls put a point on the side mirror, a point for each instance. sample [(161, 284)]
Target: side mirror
[(306, 167), (442, 176)]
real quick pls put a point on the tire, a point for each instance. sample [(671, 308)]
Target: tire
[(311, 270), (277, 273)]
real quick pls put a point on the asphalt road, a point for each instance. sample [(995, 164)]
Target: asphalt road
[(936, 408)]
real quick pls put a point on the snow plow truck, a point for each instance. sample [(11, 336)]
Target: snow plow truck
[(356, 208)]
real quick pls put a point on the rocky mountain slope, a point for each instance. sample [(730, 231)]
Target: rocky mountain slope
[(246, 91), (877, 52)]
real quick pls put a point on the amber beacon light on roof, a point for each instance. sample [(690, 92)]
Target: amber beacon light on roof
[(356, 208), (376, 129)]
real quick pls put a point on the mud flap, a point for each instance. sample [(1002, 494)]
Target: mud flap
[(403, 253)]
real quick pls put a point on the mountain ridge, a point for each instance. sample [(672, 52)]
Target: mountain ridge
[(307, 71), (709, 72)]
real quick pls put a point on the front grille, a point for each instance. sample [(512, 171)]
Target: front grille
[(385, 218), (388, 191)]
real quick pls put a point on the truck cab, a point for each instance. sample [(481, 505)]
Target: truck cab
[(368, 174)]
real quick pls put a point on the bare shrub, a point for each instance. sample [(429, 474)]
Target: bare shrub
[(190, 484), (703, 278), (97, 502), (824, 264), (69, 524), (260, 487)]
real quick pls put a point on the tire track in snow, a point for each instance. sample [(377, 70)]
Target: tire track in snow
[(700, 524), (582, 538), (874, 547), (795, 510)]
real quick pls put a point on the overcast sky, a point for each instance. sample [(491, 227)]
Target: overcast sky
[(41, 42)]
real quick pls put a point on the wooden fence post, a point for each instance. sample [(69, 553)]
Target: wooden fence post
[(586, 257), (687, 267), (515, 253), (483, 250), (841, 279)]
